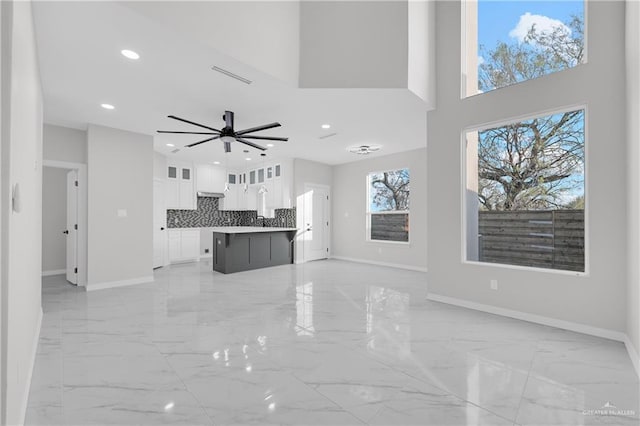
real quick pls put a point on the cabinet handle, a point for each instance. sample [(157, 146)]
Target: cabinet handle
[(162, 228), (66, 232)]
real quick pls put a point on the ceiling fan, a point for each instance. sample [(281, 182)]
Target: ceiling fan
[(228, 134)]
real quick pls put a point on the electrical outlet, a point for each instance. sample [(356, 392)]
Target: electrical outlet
[(494, 284)]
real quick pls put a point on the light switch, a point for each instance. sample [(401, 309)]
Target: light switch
[(122, 213)]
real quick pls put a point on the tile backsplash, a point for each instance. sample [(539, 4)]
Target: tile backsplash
[(208, 215)]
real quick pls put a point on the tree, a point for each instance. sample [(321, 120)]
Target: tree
[(538, 163), (390, 190)]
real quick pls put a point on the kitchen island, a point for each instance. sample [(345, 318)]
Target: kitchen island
[(242, 248)]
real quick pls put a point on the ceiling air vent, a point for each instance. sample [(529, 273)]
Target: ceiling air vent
[(175, 151), (327, 136), (232, 75)]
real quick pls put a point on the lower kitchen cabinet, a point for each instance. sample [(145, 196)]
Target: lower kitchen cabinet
[(184, 244)]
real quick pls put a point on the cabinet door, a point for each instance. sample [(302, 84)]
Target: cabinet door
[(230, 200), (172, 188), (218, 179), (174, 245), (190, 244), (187, 188), (204, 178)]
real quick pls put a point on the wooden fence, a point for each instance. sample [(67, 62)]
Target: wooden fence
[(390, 227), (545, 239)]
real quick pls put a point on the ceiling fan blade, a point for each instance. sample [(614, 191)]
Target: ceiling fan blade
[(198, 143), (227, 147), (246, 142), (266, 138), (193, 123), (228, 118), (186, 133), (256, 129)]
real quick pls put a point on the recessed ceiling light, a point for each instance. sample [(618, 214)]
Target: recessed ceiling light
[(107, 106), (216, 162), (130, 54), (270, 145), (170, 144), (326, 126), (248, 159)]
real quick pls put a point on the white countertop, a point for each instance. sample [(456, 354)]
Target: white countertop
[(247, 229)]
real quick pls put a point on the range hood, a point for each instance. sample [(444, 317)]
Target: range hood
[(211, 194)]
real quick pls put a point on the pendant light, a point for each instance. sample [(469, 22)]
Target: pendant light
[(263, 189), (226, 173)]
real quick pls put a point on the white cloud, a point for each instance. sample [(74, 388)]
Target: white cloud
[(544, 25), (480, 60)]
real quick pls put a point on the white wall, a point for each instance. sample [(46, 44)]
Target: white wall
[(64, 144), (54, 219), (353, 44), (349, 205), (633, 173), (262, 34), (21, 231), (120, 169), (421, 67), (305, 171), (596, 300)]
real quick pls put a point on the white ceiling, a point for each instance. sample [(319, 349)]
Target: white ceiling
[(79, 47)]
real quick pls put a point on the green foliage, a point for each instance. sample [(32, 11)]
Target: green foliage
[(534, 164)]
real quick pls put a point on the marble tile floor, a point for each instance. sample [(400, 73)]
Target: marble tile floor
[(328, 342)]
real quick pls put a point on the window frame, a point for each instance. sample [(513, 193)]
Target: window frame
[(464, 47), (368, 213), (464, 193)]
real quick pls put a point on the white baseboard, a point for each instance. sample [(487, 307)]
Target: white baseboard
[(633, 354), (552, 322), (121, 283), (54, 272), (34, 352), (375, 262)]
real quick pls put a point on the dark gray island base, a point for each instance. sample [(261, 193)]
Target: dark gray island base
[(241, 248)]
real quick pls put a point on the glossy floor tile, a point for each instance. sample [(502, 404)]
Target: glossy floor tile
[(324, 343)]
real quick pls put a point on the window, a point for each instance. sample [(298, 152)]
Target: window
[(526, 193), (173, 172), (252, 177), (507, 42), (186, 174), (260, 175), (388, 206)]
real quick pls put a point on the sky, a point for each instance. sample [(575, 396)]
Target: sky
[(497, 19)]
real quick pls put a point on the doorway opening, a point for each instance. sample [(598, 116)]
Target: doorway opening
[(64, 221), (315, 231)]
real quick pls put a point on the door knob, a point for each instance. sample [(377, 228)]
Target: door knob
[(66, 231)]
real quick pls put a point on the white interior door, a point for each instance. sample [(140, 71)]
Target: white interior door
[(159, 224), (72, 227), (316, 222)]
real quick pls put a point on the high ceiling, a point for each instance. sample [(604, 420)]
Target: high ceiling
[(79, 47)]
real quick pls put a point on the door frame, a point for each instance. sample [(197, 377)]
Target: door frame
[(81, 249), (301, 216)]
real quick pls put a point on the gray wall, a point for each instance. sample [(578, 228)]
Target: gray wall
[(64, 144), (120, 166), (597, 299), (54, 219), (353, 44), (349, 211), (21, 233), (633, 172)]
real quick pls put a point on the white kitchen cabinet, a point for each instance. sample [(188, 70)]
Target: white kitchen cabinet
[(184, 244), (230, 200), (181, 190), (209, 178)]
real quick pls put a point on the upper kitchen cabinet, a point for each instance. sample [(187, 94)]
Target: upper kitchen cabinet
[(209, 178), (181, 189), (231, 198)]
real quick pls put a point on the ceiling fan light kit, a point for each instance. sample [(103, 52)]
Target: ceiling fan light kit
[(364, 149), (227, 134)]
